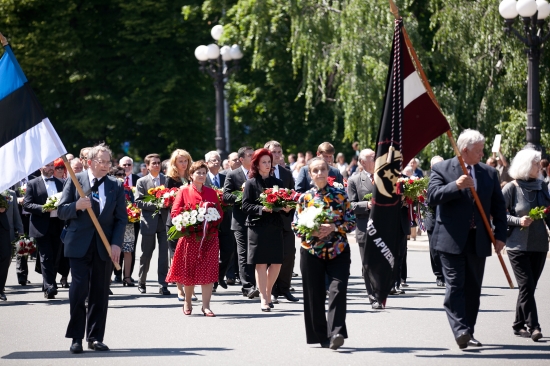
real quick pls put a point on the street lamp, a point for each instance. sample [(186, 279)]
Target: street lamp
[(533, 14), (219, 63)]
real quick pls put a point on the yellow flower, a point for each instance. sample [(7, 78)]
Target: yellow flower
[(150, 191)]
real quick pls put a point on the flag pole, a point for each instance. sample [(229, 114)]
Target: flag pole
[(395, 11), (90, 211)]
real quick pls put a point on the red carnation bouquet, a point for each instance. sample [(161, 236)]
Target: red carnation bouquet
[(24, 246), (161, 197), (414, 189), (278, 198), (224, 205)]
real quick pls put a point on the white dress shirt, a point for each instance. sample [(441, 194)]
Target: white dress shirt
[(51, 188), (100, 190), (245, 173), (276, 171)]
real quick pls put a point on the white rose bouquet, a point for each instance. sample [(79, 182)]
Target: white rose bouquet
[(193, 220), (310, 219), (52, 202)]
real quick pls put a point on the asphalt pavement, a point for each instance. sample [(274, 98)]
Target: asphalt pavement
[(151, 328)]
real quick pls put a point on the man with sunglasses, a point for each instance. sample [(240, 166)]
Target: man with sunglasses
[(152, 225)]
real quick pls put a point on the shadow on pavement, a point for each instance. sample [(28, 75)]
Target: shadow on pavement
[(129, 352), (442, 309), (533, 352), (390, 349)]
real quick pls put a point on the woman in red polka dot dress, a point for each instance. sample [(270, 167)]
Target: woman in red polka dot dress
[(196, 263)]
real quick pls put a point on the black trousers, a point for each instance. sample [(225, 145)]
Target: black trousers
[(227, 252), (282, 285), (90, 278), (5, 256), (399, 259), (362, 245), (321, 325), (233, 268), (527, 268), (21, 266), (463, 276), (246, 271), (434, 259), (121, 260), (48, 247)]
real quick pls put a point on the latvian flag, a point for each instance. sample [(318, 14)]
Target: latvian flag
[(28, 140), (411, 119)]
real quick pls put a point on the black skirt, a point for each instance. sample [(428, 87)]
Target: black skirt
[(265, 244)]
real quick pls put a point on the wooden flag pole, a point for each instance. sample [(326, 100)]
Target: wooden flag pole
[(395, 11), (90, 211)]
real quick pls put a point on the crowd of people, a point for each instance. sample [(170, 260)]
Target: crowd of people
[(253, 246)]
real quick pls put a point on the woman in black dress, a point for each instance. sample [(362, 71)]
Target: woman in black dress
[(177, 175), (265, 227)]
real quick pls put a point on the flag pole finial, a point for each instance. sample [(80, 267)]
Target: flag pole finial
[(3, 40), (394, 9)]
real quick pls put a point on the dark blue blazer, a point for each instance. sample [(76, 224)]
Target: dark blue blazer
[(81, 229), (454, 213), (303, 182), (35, 198)]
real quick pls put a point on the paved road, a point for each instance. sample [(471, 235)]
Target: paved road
[(146, 329)]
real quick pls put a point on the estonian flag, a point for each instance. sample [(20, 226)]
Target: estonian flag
[(28, 140), (410, 120)]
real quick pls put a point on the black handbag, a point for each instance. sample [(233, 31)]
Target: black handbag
[(512, 212)]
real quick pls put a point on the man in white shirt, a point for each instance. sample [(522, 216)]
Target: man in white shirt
[(213, 162)]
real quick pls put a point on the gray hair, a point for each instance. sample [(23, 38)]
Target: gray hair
[(364, 152), (94, 151), (124, 158), (74, 161), (522, 163), (468, 138), (408, 168), (209, 155), (436, 159)]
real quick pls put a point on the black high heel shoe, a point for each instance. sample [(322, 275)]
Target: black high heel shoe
[(63, 282), (126, 283)]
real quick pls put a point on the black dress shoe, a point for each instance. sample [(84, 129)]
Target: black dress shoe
[(223, 284), (463, 339), (290, 297), (474, 342), (271, 305), (3, 296), (49, 295), (163, 290), (98, 346), (325, 344), (294, 274), (440, 283), (230, 282), (291, 289), (76, 346), (23, 283), (376, 305), (336, 341), (524, 333), (253, 293), (274, 299), (118, 279), (142, 288)]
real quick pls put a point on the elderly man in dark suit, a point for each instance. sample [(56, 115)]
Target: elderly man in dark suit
[(360, 185), (10, 224), (45, 226), (326, 151), (130, 180), (460, 236), (282, 284), (151, 226), (234, 182), (89, 259)]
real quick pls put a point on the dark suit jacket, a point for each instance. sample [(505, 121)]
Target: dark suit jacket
[(148, 223), (225, 225), (303, 181), (358, 186), (35, 198), (288, 182), (135, 178), (14, 219), (81, 229), (233, 182), (455, 207)]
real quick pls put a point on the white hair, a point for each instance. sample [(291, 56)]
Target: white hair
[(124, 158), (409, 169), (522, 163), (436, 159), (363, 154), (468, 138), (74, 161), (209, 155)]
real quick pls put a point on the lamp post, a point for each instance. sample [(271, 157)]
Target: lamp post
[(533, 14), (219, 63)]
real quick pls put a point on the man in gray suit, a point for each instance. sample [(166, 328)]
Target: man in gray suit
[(358, 186), (9, 216), (152, 225), (91, 265)]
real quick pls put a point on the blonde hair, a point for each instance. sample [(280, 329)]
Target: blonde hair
[(172, 171)]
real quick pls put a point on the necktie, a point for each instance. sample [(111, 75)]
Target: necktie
[(216, 183), (372, 179), (49, 179), (473, 220), (126, 181), (156, 182), (95, 197)]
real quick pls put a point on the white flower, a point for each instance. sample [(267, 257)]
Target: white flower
[(275, 188), (212, 211), (194, 213), (186, 215), (185, 222), (166, 195), (208, 217), (202, 210), (242, 187), (200, 217), (338, 185), (179, 227), (193, 220), (310, 224)]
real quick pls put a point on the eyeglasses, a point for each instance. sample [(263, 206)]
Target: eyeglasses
[(60, 168), (104, 163), (155, 163), (119, 175), (214, 160), (127, 164)]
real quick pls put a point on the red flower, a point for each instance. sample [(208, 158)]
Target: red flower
[(268, 191), (421, 199), (411, 181), (271, 198), (330, 181), (547, 210), (409, 201)]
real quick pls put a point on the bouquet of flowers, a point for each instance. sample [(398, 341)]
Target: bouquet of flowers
[(277, 198), (538, 213), (22, 189), (161, 197), (368, 197), (224, 205), (193, 219), (413, 189), (134, 213), (52, 202), (24, 245), (333, 183), (239, 194), (311, 218), (5, 199)]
